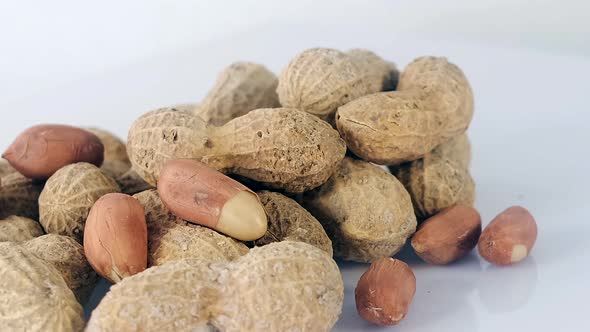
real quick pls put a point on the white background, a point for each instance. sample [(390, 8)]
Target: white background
[(105, 63)]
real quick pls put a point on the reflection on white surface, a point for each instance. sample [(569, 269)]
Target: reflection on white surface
[(507, 288)]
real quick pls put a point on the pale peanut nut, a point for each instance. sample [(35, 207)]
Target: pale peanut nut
[(202, 195), (17, 229), (433, 103), (383, 75), (67, 256), (240, 88), (33, 294), (19, 196), (448, 235), (170, 238), (509, 238), (365, 210), (69, 195), (116, 162), (319, 80), (281, 148), (289, 221), (40, 151), (440, 179), (283, 286), (115, 237), (384, 293)]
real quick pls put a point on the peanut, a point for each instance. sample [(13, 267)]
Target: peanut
[(68, 196), (297, 287), (17, 229), (319, 80), (240, 88), (116, 162), (282, 148), (433, 103), (383, 75), (40, 151), (289, 221), (201, 195), (384, 293), (67, 256), (509, 238), (365, 210), (448, 236), (440, 179), (19, 196), (115, 237), (33, 294), (171, 238)]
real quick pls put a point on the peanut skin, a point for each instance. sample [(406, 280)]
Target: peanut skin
[(384, 293), (40, 151), (433, 103), (448, 236), (509, 238), (115, 237), (282, 148)]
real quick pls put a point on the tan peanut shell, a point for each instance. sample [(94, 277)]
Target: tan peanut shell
[(186, 107), (131, 183), (440, 179), (382, 75), (284, 286), (319, 80), (18, 229), (5, 168), (33, 294), (289, 221), (432, 104), (67, 256), (19, 196), (116, 162), (171, 238), (282, 148), (69, 195), (364, 209), (240, 88)]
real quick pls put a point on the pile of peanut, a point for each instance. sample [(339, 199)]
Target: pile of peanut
[(226, 215)]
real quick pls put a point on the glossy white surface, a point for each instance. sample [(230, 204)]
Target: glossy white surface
[(530, 134)]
